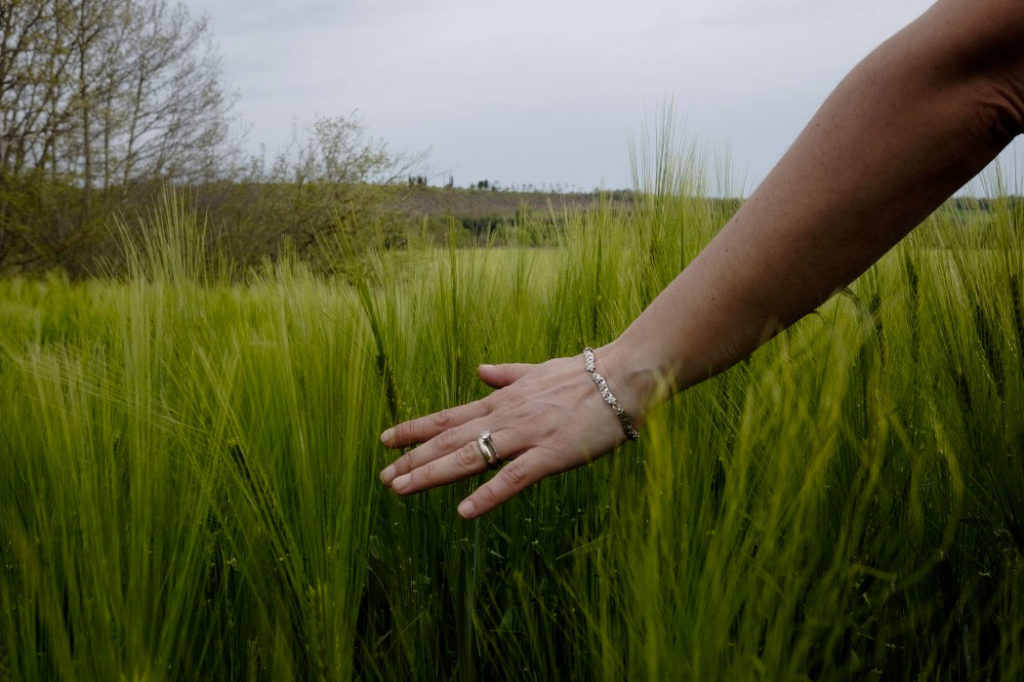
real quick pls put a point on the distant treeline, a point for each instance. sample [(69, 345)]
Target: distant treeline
[(988, 205), (253, 221), (250, 221)]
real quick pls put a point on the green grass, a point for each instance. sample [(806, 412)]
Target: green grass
[(188, 463)]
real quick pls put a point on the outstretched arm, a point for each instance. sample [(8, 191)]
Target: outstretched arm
[(906, 128)]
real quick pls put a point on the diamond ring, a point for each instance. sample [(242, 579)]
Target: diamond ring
[(487, 450)]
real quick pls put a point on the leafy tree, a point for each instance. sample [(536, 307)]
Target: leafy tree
[(95, 96), (333, 183)]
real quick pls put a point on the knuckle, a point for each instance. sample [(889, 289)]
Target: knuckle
[(517, 473), (443, 419), (487, 496), (467, 456), (448, 440), (424, 476), (412, 459), (402, 465), (403, 432), (411, 432), (407, 462)]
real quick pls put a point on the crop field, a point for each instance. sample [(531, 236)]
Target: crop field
[(189, 459)]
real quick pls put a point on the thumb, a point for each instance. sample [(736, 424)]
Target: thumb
[(497, 376)]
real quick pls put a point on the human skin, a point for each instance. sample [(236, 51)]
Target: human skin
[(912, 123)]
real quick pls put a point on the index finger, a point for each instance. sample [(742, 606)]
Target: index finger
[(422, 429)]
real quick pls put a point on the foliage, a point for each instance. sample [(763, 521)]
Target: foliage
[(335, 184), (332, 182), (106, 92), (188, 472), (96, 97)]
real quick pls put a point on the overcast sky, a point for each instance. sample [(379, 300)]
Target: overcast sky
[(546, 92)]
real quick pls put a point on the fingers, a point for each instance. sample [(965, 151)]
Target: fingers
[(520, 473), (463, 462), (545, 419), (424, 428), (443, 444), (497, 376)]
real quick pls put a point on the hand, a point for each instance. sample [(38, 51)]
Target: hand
[(544, 419)]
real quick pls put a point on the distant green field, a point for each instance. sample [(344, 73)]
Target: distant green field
[(188, 472)]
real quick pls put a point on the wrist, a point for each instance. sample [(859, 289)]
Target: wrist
[(639, 384)]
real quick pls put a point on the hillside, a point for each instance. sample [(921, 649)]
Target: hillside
[(481, 203)]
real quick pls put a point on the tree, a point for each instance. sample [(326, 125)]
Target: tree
[(338, 151), (172, 110), (332, 180), (96, 95)]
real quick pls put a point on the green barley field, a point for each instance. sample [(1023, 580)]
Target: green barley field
[(189, 458)]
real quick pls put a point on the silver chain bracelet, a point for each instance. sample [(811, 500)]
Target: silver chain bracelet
[(607, 395)]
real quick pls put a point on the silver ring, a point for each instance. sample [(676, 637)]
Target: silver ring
[(487, 450)]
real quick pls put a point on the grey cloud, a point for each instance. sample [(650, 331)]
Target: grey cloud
[(500, 87)]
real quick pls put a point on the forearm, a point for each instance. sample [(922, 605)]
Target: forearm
[(909, 126)]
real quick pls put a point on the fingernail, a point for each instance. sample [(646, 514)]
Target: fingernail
[(467, 509), (400, 483), (486, 367), (387, 436), (387, 474)]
